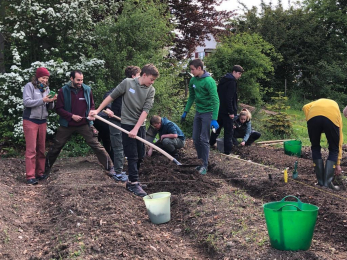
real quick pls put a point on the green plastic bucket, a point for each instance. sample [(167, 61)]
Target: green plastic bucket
[(293, 147), (290, 224)]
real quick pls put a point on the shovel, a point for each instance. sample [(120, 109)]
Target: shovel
[(142, 140)]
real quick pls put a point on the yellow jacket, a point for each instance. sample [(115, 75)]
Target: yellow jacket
[(329, 109)]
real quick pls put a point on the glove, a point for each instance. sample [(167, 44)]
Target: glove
[(214, 124), (183, 117)]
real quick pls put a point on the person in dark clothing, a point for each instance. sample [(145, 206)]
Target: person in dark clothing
[(243, 129), (104, 134), (171, 136), (114, 134), (227, 92)]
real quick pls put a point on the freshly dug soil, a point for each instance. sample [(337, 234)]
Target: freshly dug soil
[(80, 213)]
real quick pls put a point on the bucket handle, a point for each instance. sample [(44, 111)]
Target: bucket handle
[(280, 209), (291, 196)]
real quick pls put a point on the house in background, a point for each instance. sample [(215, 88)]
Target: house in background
[(203, 51)]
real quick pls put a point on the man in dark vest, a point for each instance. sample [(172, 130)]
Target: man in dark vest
[(74, 102)]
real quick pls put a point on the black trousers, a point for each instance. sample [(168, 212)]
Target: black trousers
[(134, 150), (226, 122), (318, 125), (104, 136), (240, 134)]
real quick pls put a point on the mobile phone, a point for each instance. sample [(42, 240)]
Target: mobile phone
[(51, 94)]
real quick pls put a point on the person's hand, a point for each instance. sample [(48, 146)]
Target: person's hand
[(338, 170), (91, 115), (109, 112), (149, 152), (133, 133), (183, 117), (46, 99), (232, 116), (76, 118), (214, 124), (243, 143)]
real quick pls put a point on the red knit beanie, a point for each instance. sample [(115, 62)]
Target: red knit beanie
[(40, 72)]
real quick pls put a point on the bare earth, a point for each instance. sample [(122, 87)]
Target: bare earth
[(80, 213)]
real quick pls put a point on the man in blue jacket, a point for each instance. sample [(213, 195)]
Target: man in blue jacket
[(227, 93), (171, 136)]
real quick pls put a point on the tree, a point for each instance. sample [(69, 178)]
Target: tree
[(254, 54), (194, 21), (301, 37)]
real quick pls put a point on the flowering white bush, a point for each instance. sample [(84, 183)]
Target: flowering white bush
[(57, 35)]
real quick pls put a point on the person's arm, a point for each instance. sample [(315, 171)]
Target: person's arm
[(170, 131), (306, 108), (191, 97), (118, 91), (212, 89), (248, 132), (134, 131), (28, 99), (338, 167), (168, 136), (231, 92)]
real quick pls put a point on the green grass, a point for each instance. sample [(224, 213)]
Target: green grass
[(299, 126)]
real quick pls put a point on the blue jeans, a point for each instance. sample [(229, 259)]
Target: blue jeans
[(117, 147), (201, 135), (134, 150)]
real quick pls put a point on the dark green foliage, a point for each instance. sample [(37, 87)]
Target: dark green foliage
[(254, 54), (279, 123)]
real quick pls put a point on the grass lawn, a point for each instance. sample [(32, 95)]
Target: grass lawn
[(299, 127)]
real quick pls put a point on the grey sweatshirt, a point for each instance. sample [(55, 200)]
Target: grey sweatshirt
[(136, 99), (34, 107)]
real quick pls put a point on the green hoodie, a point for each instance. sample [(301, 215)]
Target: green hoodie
[(203, 91)]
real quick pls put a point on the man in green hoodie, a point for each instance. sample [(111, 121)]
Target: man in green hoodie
[(202, 90)]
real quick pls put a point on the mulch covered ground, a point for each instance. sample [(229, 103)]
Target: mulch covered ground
[(80, 213)]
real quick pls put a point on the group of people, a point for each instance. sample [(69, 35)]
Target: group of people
[(127, 106), (131, 99), (216, 108)]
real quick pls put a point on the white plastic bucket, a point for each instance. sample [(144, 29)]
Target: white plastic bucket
[(158, 207)]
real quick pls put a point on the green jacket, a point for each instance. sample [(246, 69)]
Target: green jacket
[(203, 91)]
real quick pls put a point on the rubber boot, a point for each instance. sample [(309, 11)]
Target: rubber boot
[(329, 175), (319, 170)]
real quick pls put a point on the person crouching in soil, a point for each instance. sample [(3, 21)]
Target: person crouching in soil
[(171, 136), (243, 129), (324, 116)]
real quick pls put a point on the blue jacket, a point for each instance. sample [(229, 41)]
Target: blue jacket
[(244, 129), (168, 127)]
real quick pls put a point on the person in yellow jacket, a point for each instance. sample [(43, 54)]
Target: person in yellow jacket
[(324, 116)]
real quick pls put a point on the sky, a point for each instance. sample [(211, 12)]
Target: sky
[(230, 5)]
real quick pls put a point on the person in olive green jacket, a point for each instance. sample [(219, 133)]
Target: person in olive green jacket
[(202, 90), (324, 116)]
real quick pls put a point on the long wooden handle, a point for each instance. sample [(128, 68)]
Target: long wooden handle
[(140, 139), (116, 117), (274, 141)]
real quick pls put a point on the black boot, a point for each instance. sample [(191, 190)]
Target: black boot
[(329, 175), (319, 170)]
